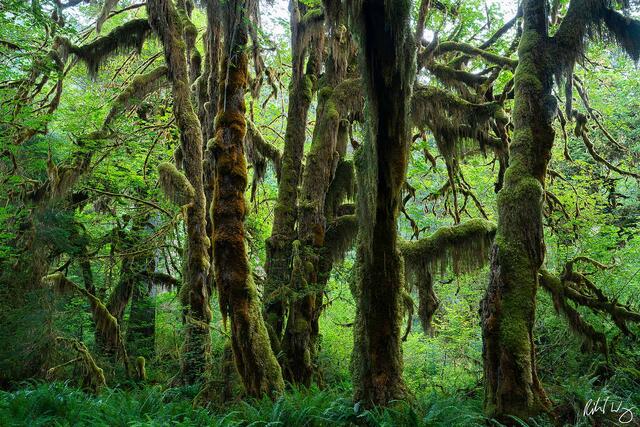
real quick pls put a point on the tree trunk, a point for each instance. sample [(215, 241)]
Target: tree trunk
[(142, 320), (283, 232), (165, 21), (508, 308), (389, 54), (207, 87), (254, 358), (314, 265)]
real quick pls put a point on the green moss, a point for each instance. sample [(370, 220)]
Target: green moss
[(312, 15), (175, 184), (340, 236), (140, 368), (307, 88), (130, 35), (343, 185), (139, 88), (462, 247)]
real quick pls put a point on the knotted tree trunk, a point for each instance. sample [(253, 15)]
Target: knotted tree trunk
[(252, 352)]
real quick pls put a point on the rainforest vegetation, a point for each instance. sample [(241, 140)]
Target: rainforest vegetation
[(319, 212)]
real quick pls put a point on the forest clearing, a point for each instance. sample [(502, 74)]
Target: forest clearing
[(319, 212)]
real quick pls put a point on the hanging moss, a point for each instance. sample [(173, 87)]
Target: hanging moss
[(340, 236), (175, 184), (342, 186), (587, 20), (139, 88), (593, 339), (625, 31), (124, 38), (462, 248), (457, 124)]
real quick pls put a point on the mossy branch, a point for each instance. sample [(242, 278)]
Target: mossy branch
[(576, 287), (106, 324), (126, 37), (139, 88), (427, 99), (589, 19), (451, 76), (451, 46), (94, 378), (175, 184), (462, 247), (553, 285), (453, 119)]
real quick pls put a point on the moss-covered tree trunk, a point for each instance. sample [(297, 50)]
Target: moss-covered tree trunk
[(308, 281), (207, 87), (141, 326), (388, 50), (252, 352), (508, 308), (283, 232), (141, 329), (165, 21)]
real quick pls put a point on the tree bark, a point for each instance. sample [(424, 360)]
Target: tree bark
[(308, 282), (388, 49), (508, 308), (252, 352), (283, 232), (208, 109), (165, 21)]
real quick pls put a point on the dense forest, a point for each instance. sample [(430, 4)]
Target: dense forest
[(319, 212)]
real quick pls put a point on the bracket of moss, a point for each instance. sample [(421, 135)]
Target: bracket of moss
[(175, 184), (126, 37)]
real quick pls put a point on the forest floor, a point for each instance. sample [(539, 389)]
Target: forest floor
[(59, 404)]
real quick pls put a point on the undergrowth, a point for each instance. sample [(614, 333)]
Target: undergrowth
[(59, 404)]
